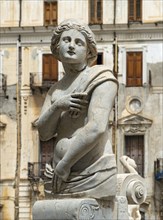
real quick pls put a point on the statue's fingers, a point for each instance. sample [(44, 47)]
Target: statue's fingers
[(79, 101), (80, 95)]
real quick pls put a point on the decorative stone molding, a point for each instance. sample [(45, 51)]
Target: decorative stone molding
[(134, 104), (134, 124)]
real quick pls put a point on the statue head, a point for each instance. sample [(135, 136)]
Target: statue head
[(83, 29)]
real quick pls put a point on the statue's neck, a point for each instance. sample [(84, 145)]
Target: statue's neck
[(74, 69)]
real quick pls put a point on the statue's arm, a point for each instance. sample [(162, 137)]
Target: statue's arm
[(48, 120), (51, 112), (87, 137)]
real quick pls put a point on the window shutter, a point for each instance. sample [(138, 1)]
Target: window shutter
[(130, 69), (54, 13), (134, 10), (131, 10), (138, 10), (46, 67), (99, 11), (138, 68), (50, 68), (134, 69), (54, 69), (92, 11), (95, 11), (47, 13)]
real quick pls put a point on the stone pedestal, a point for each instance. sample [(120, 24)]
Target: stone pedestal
[(75, 209)]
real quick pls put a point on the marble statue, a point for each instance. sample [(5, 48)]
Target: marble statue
[(76, 111), (82, 176), (130, 166)]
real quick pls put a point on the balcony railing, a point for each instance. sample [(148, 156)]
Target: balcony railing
[(36, 171), (158, 166), (36, 81)]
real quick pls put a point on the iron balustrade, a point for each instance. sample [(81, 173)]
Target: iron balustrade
[(36, 171)]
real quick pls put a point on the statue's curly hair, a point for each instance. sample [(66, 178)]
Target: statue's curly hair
[(82, 28)]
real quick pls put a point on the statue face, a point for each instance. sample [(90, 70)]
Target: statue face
[(73, 47)]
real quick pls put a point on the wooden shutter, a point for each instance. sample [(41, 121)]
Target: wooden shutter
[(134, 148), (50, 13), (99, 11), (50, 68), (95, 11), (47, 13), (54, 13), (134, 69), (138, 10), (134, 10), (131, 10)]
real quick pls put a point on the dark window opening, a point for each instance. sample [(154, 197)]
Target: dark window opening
[(134, 148), (99, 59)]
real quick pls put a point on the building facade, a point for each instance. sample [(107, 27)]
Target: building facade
[(129, 37)]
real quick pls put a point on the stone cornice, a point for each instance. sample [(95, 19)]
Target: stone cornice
[(103, 33)]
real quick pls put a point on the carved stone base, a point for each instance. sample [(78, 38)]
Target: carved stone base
[(76, 209)]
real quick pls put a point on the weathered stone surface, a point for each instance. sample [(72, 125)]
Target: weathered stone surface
[(74, 209)]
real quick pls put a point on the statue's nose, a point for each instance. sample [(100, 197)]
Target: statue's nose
[(71, 45)]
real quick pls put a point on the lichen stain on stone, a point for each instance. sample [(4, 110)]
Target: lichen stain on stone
[(8, 102), (5, 211), (156, 70)]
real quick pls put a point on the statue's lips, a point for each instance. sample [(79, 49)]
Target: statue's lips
[(71, 52)]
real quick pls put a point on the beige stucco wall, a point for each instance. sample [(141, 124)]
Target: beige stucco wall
[(73, 9), (152, 11), (9, 13), (9, 64), (32, 13), (8, 148)]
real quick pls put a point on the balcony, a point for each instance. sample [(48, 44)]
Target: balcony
[(36, 171), (158, 166), (37, 82)]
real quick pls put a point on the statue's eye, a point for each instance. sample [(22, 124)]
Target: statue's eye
[(66, 39), (79, 42)]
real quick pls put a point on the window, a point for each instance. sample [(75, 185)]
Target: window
[(50, 68), (46, 154), (134, 10), (134, 69), (134, 148), (99, 59), (46, 150), (95, 11), (50, 13)]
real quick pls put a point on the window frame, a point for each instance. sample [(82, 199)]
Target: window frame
[(49, 80), (143, 150), (134, 17), (134, 81), (123, 67), (94, 19), (51, 21)]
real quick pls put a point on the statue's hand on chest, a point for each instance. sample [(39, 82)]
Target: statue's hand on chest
[(75, 103)]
